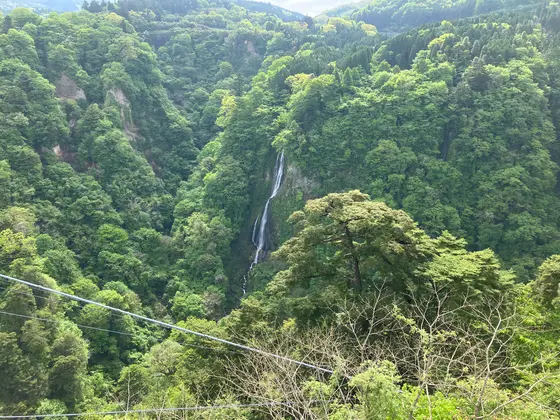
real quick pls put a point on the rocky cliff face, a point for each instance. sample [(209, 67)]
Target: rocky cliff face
[(296, 190), (298, 184), (68, 89), (117, 95)]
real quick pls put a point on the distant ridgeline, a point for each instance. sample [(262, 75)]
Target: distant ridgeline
[(265, 7), (402, 15), (189, 6), (42, 6), (182, 7)]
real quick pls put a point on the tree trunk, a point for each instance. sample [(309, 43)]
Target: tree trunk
[(355, 259)]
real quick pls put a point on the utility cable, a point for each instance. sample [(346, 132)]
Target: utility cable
[(89, 327), (167, 325), (61, 322), (82, 306), (103, 329), (152, 410), (17, 292)]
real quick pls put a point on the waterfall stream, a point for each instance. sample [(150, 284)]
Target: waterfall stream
[(255, 226), (259, 236)]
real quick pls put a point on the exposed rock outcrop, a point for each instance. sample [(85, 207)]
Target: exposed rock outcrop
[(120, 98), (67, 89), (63, 154), (296, 182)]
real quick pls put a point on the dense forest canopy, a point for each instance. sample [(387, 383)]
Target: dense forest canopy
[(397, 197), (402, 15)]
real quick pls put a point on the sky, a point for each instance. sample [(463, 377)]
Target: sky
[(308, 7)]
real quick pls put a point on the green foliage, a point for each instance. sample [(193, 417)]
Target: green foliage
[(137, 140), (398, 15), (547, 284), (187, 305), (378, 395), (346, 241), (460, 138)]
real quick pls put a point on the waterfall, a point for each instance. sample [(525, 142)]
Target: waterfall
[(259, 237), (255, 226)]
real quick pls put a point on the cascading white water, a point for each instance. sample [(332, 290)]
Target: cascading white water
[(259, 236), (254, 236)]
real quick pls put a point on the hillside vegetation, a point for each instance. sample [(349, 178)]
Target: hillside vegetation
[(401, 15), (412, 251)]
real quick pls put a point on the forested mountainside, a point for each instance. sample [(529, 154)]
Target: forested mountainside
[(384, 210), (309, 7), (402, 15)]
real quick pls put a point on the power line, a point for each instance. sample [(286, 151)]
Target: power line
[(102, 329), (90, 327), (80, 305), (7, 289), (24, 293), (62, 322), (112, 314), (166, 325), (152, 410)]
